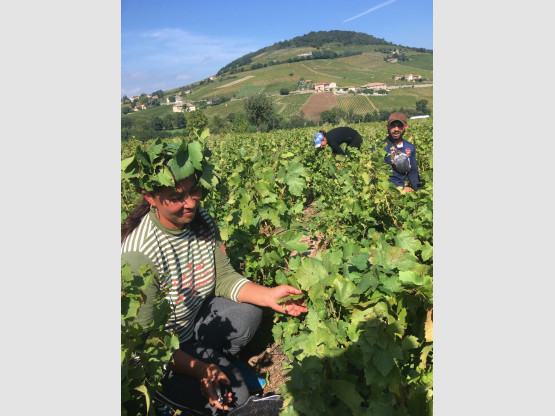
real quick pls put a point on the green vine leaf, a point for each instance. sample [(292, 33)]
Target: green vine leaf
[(289, 298)]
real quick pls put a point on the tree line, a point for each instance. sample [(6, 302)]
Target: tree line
[(312, 39), (258, 115)]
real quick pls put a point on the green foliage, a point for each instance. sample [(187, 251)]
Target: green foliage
[(259, 109), (196, 121), (333, 116), (164, 164), (422, 107), (240, 124), (143, 350), (219, 125), (362, 347)]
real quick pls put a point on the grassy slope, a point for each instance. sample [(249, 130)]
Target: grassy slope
[(354, 70)]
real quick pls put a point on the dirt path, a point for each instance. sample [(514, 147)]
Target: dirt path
[(283, 105), (236, 81), (321, 73), (372, 104)]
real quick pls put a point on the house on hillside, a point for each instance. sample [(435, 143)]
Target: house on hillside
[(306, 54), (345, 90), (324, 86), (139, 107), (374, 86), (408, 77), (393, 60), (189, 107), (177, 108)]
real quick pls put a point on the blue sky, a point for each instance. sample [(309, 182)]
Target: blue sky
[(170, 43)]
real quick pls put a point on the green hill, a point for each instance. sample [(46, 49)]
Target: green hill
[(349, 59)]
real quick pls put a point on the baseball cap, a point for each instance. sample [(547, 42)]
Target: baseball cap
[(397, 117), (318, 137)]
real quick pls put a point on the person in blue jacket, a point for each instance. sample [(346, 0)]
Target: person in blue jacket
[(403, 163)]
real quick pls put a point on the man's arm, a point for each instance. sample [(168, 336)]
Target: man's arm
[(413, 175), (336, 148), (208, 375), (268, 297)]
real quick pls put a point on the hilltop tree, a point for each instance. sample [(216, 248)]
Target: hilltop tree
[(333, 116), (157, 124), (143, 99), (159, 93), (174, 121), (239, 122), (179, 121), (219, 124), (422, 107), (196, 121), (259, 109), (126, 122)]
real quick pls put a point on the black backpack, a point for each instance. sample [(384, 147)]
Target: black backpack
[(399, 160)]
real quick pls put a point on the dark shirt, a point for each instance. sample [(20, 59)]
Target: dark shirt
[(397, 178), (336, 137)]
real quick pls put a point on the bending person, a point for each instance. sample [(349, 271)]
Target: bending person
[(336, 137)]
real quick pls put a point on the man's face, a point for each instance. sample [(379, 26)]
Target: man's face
[(324, 142), (396, 130)]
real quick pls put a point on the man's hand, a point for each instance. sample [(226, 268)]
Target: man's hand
[(212, 378), (292, 307), (408, 189)]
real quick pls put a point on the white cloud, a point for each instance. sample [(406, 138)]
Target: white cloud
[(173, 54), (131, 92), (176, 46), (138, 76)]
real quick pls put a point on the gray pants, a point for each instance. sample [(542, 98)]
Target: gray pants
[(222, 329)]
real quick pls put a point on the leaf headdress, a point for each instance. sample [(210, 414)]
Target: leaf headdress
[(165, 164)]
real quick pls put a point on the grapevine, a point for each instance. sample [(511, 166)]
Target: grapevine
[(364, 346)]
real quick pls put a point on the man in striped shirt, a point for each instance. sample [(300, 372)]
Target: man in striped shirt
[(215, 309)]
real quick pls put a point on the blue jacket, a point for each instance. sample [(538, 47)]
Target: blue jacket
[(397, 178)]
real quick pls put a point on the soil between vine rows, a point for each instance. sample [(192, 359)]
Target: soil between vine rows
[(265, 357), (262, 354)]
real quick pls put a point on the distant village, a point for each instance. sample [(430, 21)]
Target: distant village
[(375, 88)]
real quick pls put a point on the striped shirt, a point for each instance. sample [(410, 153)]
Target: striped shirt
[(185, 264)]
